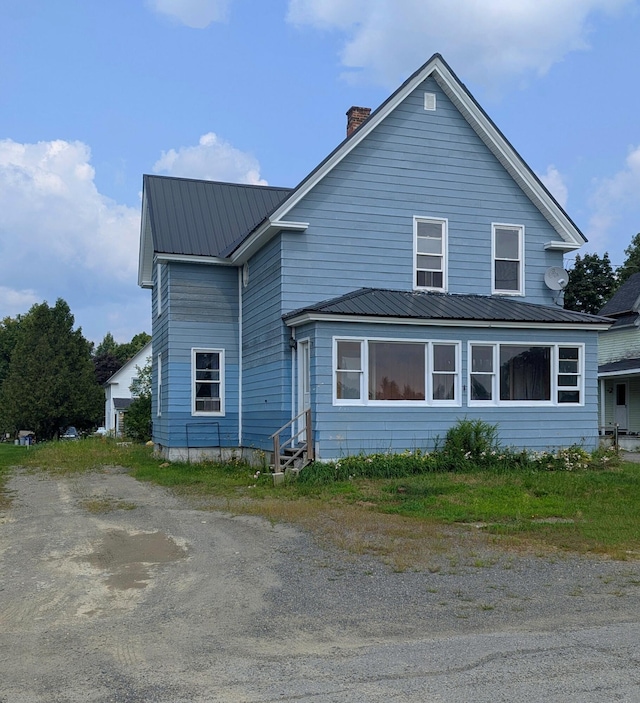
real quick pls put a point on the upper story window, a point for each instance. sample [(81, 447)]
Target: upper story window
[(207, 368), (508, 259), (395, 372), (430, 253)]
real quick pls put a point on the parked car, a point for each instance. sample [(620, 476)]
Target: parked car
[(70, 433)]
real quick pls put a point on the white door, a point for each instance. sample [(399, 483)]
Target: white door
[(304, 382), (621, 410)]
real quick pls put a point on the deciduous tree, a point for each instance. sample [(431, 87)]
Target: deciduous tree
[(137, 422), (591, 283), (632, 262)]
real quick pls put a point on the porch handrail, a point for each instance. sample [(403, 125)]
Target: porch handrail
[(307, 449)]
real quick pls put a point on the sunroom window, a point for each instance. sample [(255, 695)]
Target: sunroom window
[(349, 370), (396, 371), (525, 373)]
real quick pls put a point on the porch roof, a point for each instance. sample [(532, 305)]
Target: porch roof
[(625, 367), (415, 306)]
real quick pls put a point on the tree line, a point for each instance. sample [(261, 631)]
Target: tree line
[(51, 376), (593, 280)]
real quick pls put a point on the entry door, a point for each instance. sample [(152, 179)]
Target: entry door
[(621, 411), (304, 381)]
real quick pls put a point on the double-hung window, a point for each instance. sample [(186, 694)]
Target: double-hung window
[(389, 372), (508, 259), (430, 253), (207, 370), (525, 374)]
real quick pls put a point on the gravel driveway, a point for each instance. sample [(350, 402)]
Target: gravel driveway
[(114, 590)]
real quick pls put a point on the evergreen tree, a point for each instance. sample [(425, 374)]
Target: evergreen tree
[(107, 346), (50, 382), (591, 284), (9, 329), (632, 262)]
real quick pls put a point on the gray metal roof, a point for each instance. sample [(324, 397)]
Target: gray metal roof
[(617, 366), (625, 298), (375, 302), (205, 218)]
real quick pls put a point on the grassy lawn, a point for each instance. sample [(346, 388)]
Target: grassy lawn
[(400, 519)]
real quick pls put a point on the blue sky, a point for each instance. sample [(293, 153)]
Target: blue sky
[(94, 94)]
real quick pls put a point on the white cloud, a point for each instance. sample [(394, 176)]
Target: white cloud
[(487, 41), (212, 159), (51, 211), (554, 182), (193, 13), (60, 237), (16, 302), (615, 198)]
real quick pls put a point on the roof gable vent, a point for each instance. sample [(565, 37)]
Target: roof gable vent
[(430, 101)]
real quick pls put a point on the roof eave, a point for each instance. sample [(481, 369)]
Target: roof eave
[(266, 231), (145, 253), (305, 317), (570, 236), (164, 257)]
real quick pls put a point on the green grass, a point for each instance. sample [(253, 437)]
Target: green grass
[(586, 511)]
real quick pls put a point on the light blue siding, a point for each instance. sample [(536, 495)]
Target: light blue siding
[(266, 374), (203, 314), (419, 163), (415, 163), (342, 430), (159, 327)]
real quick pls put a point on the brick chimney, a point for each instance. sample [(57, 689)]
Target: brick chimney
[(355, 117)]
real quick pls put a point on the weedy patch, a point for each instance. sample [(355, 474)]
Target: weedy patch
[(106, 505)]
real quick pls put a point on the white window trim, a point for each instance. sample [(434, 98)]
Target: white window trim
[(520, 228), (158, 289), (553, 402), (202, 413), (445, 252), (364, 374), (159, 386)]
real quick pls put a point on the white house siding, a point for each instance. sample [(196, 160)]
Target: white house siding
[(616, 345)]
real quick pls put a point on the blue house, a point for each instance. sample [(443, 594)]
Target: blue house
[(398, 288)]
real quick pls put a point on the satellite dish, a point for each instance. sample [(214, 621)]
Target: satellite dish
[(556, 278)]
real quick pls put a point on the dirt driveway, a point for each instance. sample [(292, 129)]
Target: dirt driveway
[(114, 590)]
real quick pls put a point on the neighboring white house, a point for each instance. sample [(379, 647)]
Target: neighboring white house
[(117, 390)]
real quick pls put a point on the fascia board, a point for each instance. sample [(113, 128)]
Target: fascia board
[(192, 259), (481, 124), (261, 236), (561, 246), (626, 372), (145, 254), (307, 317), (509, 158), (349, 144)]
